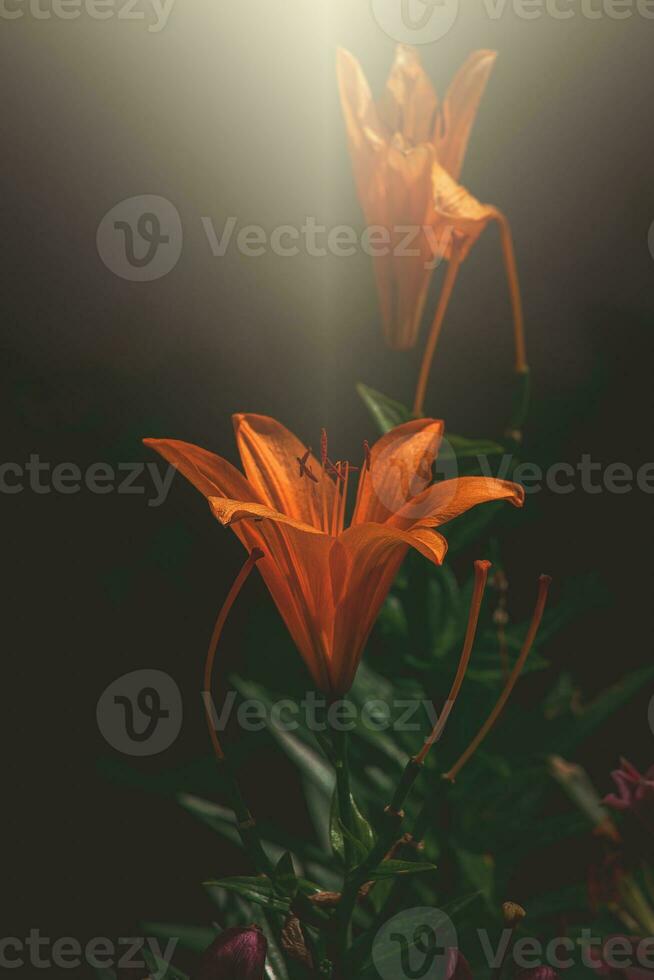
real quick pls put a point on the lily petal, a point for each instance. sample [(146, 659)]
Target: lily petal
[(400, 468), (212, 475), (399, 197), (270, 455), (365, 131), (409, 102), (452, 131), (368, 559), (457, 211), (295, 568), (444, 501), (230, 511)]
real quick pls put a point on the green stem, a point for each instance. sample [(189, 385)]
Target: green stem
[(410, 851), (520, 407), (344, 791), (360, 875), (394, 815)]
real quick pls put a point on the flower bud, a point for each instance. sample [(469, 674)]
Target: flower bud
[(237, 954), (537, 973), (635, 792), (456, 965)]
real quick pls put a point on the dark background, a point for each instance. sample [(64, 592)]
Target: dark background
[(232, 110)]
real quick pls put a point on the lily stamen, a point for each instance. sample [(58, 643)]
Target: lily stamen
[(543, 588), (336, 509), (341, 517), (481, 576), (305, 469)]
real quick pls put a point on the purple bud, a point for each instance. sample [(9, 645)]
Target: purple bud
[(537, 973), (456, 965), (237, 954)]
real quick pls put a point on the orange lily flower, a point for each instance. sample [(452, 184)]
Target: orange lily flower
[(408, 151), (328, 580), (394, 143)]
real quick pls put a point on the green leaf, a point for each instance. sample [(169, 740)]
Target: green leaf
[(463, 530), (219, 818), (392, 621), (336, 836), (257, 890), (395, 869), (495, 676), (285, 880), (160, 969), (361, 836), (362, 829), (444, 610), (454, 908), (309, 762), (194, 938), (479, 871), (571, 897), (386, 412), (462, 448), (602, 708)]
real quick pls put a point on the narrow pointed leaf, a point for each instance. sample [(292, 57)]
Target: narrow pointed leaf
[(395, 869)]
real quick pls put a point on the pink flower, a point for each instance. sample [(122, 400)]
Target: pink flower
[(635, 792)]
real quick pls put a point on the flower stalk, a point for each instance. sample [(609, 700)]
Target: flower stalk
[(543, 589), (434, 333), (394, 812), (245, 822)]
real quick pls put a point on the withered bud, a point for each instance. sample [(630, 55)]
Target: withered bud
[(512, 913)]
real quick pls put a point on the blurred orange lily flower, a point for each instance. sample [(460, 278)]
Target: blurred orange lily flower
[(329, 580), (394, 143), (408, 151)]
